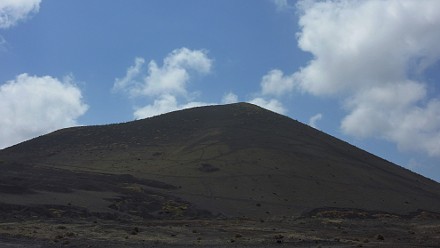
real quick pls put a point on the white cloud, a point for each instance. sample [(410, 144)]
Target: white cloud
[(170, 78), (314, 120), (411, 127), (229, 98), (165, 85), (31, 106), (372, 53), (164, 104), (357, 44), (272, 104), (382, 109), (13, 11), (167, 103), (276, 83), (273, 84), (131, 81)]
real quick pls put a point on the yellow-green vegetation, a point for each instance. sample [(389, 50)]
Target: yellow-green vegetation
[(304, 232), (174, 208), (134, 187), (56, 212)]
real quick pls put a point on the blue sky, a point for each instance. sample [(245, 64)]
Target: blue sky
[(366, 72)]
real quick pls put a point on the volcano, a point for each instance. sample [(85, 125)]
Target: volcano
[(225, 162)]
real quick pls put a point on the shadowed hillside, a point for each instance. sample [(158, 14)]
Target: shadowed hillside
[(207, 163), (234, 160)]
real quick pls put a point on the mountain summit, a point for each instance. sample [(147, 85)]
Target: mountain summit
[(235, 160)]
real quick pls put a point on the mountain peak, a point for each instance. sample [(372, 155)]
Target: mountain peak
[(225, 159)]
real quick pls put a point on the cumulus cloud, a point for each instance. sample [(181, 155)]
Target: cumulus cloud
[(132, 79), (396, 114), (14, 11), (170, 78), (372, 53), (314, 120), (381, 108), (165, 85), (276, 83), (369, 51), (273, 85), (272, 104), (164, 104), (31, 106), (357, 44)]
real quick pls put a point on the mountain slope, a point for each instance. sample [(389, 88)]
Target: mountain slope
[(236, 160)]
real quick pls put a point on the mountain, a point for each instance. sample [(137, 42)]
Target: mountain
[(235, 160)]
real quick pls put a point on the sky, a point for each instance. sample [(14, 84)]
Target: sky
[(366, 72)]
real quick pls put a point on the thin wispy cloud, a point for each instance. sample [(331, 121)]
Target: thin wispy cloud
[(313, 121), (283, 5), (229, 98)]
